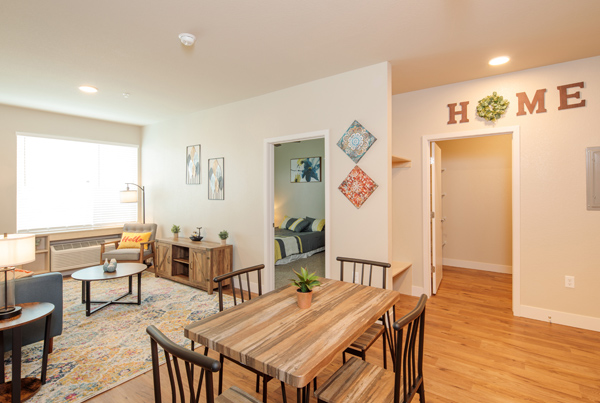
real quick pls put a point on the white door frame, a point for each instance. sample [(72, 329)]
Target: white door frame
[(516, 204), (269, 197)]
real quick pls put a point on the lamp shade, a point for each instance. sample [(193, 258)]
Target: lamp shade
[(129, 196), (17, 249)]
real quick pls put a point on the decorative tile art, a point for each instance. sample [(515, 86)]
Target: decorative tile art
[(357, 187), (356, 141)]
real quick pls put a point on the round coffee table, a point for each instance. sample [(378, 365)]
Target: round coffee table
[(96, 273)]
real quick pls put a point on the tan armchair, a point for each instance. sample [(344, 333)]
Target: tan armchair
[(132, 255)]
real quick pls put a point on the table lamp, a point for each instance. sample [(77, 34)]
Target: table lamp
[(15, 250)]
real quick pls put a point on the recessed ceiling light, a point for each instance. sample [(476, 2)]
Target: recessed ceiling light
[(88, 88), (499, 60), (187, 39)]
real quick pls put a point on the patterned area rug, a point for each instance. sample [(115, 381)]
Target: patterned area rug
[(97, 353)]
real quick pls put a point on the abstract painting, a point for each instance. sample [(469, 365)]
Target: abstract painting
[(357, 187), (356, 141), (192, 165), (305, 170), (216, 169)]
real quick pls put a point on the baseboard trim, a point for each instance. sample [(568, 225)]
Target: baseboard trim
[(417, 291), (561, 318), (467, 264)]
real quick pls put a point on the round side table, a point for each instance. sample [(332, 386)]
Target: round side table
[(30, 312)]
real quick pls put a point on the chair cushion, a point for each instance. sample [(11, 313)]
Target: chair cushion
[(358, 381), (125, 254), (368, 337), (132, 240), (235, 395)]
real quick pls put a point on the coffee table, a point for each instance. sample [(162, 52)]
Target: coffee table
[(96, 273)]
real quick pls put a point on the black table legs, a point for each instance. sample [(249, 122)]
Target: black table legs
[(86, 297)]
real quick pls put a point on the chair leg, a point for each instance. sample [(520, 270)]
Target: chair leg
[(222, 361), (384, 351), (422, 392)]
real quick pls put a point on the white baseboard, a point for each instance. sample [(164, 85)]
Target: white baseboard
[(417, 291), (497, 268), (561, 318)]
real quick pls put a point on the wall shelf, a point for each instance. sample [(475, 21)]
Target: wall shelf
[(398, 162)]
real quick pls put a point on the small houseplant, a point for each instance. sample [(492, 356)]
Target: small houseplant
[(304, 285), (175, 229), (223, 235)]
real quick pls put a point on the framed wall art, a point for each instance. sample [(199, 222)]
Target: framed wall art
[(192, 165), (216, 184), (305, 170)]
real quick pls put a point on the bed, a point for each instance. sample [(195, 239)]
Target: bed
[(291, 246)]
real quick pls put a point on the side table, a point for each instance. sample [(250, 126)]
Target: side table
[(30, 312)]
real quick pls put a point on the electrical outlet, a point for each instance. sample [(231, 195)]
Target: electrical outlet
[(570, 281)]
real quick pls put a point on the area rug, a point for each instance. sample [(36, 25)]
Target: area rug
[(97, 353)]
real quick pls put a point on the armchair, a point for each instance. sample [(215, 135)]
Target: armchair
[(132, 255)]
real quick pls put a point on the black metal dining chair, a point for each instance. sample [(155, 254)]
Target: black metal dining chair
[(189, 359), (361, 381), (365, 272), (243, 282)]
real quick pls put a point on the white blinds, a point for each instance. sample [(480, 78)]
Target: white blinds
[(72, 185)]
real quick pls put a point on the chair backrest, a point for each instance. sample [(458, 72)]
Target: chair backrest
[(408, 365), (189, 358), (137, 227), (238, 274), (361, 268)]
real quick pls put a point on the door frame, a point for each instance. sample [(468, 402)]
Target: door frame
[(269, 199), (516, 203)]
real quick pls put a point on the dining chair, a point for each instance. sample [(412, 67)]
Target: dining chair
[(243, 281), (190, 359), (367, 272), (360, 381)]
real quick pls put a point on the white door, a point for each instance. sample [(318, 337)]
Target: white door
[(436, 217)]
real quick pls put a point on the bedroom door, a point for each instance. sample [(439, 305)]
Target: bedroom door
[(436, 217)]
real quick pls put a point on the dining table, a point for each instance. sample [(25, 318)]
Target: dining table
[(271, 334)]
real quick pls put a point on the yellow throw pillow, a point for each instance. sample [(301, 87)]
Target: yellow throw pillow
[(132, 240)]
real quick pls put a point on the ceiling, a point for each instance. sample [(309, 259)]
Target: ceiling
[(248, 48)]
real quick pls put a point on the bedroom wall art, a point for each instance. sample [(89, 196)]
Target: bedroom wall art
[(356, 141), (216, 185), (192, 165), (357, 187), (305, 170)]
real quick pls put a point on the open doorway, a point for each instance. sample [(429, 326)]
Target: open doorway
[(500, 252)]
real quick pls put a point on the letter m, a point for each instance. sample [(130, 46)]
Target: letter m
[(538, 99)]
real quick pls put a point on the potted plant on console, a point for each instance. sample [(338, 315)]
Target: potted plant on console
[(304, 285), (175, 229), (223, 235)]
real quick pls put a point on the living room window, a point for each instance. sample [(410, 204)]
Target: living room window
[(67, 185)]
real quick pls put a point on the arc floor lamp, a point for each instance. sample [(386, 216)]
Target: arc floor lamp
[(131, 196)]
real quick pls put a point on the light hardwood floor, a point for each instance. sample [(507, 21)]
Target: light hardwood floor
[(476, 351)]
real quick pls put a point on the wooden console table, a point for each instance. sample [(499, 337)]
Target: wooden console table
[(192, 263)]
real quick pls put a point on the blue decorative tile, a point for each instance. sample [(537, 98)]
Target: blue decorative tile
[(356, 141)]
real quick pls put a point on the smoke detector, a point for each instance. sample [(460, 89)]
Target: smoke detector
[(187, 39)]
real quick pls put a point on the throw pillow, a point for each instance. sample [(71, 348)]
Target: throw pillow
[(132, 240), (20, 273), (318, 225), (299, 225), (309, 221)]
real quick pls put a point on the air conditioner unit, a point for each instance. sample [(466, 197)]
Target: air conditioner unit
[(78, 253)]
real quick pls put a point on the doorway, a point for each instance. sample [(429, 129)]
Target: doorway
[(274, 214), (514, 202)]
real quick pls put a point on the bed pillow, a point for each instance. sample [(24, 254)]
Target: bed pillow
[(286, 222), (299, 225), (310, 222), (316, 225)]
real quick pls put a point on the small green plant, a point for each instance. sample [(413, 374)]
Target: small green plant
[(223, 234), (176, 229), (305, 281)]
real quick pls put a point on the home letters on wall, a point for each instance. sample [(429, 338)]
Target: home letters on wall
[(568, 94)]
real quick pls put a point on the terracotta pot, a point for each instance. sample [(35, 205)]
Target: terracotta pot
[(304, 299), (223, 242)]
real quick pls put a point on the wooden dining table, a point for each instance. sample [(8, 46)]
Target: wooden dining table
[(273, 335)]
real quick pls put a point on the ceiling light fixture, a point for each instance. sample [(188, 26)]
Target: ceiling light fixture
[(499, 60), (187, 39), (88, 89)]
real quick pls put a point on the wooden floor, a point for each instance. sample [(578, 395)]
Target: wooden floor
[(476, 351)]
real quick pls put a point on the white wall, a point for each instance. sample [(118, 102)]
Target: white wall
[(14, 119), (558, 235), (237, 132), (298, 199), (476, 184)]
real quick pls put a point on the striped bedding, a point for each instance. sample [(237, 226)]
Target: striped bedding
[(289, 243)]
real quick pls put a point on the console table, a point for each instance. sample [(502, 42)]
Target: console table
[(193, 263)]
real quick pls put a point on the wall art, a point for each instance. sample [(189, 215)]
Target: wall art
[(192, 165), (216, 178), (357, 187), (356, 141), (305, 170)]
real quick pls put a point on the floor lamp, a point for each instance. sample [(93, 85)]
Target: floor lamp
[(131, 196)]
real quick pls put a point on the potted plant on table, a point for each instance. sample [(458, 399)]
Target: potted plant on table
[(175, 229), (304, 285), (223, 235)]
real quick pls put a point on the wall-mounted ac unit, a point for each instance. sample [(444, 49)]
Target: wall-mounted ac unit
[(77, 253)]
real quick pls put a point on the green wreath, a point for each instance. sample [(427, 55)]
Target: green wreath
[(492, 107)]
